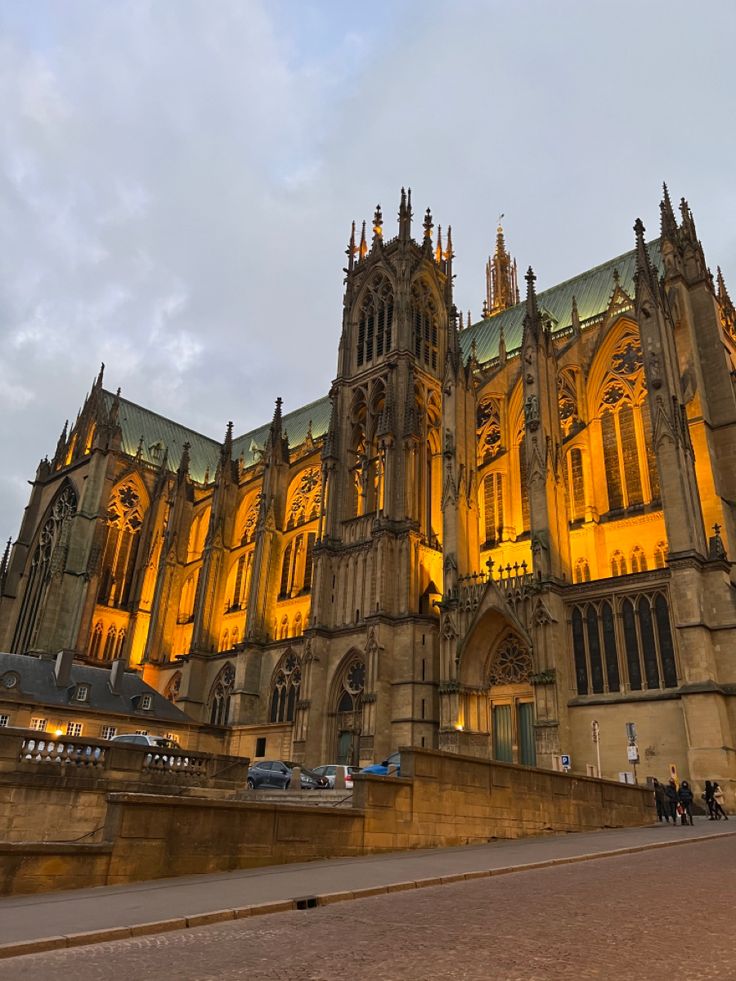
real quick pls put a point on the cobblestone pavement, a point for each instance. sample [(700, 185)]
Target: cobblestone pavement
[(666, 912)]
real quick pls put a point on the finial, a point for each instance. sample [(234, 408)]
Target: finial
[(363, 247), (575, 317), (377, 225), (351, 249), (501, 344), (102, 372), (185, 460), (470, 318), (616, 276), (428, 226), (449, 254), (227, 446), (139, 451), (438, 255), (485, 313)]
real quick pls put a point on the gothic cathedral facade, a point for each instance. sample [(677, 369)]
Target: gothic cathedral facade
[(487, 538)]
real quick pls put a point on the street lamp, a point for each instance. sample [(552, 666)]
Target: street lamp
[(595, 731)]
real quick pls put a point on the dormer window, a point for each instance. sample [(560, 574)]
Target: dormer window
[(81, 693), (146, 703)]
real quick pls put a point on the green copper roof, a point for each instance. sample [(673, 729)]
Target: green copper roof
[(592, 291)]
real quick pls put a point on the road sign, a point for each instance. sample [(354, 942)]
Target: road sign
[(632, 753), (565, 761)]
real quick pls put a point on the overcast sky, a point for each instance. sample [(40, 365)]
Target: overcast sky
[(177, 178)]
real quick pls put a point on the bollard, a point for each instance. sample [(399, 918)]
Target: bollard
[(296, 779), (339, 778)]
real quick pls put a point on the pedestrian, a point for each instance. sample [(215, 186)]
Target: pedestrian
[(685, 800), (708, 798), (718, 799), (660, 800), (670, 793)]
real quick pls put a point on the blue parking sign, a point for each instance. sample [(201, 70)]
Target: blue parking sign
[(565, 761)]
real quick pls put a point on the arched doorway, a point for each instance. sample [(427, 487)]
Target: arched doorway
[(348, 701), (511, 702)]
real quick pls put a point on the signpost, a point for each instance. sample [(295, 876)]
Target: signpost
[(632, 749), (595, 731), (565, 762)]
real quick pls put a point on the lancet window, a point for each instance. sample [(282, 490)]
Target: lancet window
[(220, 693), (285, 689), (595, 649), (618, 564), (297, 566), (239, 582), (523, 484), (488, 428), (46, 555), (96, 641), (197, 535), (631, 472), (582, 571), (660, 555), (248, 530), (493, 508), (124, 520), (186, 599), (304, 502), (638, 560), (424, 324), (570, 421), (375, 321), (650, 654), (575, 484)]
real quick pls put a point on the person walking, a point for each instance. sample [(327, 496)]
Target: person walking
[(685, 800), (670, 793), (718, 799), (660, 801), (708, 798)]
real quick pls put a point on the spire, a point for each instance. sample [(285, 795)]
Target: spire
[(502, 289), (668, 222), (644, 270), (183, 470), (428, 226), (363, 247), (98, 383), (351, 249), (470, 319), (501, 344), (438, 253), (139, 451), (688, 222), (277, 446), (61, 445), (405, 216), (531, 317), (377, 226), (226, 453), (728, 313), (115, 410)]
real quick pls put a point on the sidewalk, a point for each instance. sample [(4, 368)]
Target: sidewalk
[(58, 915)]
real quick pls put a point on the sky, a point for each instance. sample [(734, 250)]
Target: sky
[(178, 178)]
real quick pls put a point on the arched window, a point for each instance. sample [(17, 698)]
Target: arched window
[(638, 560), (298, 625), (285, 689), (523, 485), (646, 630), (575, 485), (119, 644), (493, 508), (96, 641), (225, 641), (309, 563), (219, 700), (650, 653), (234, 637), (250, 522), (198, 534), (582, 571), (631, 641), (348, 708), (110, 640), (666, 647), (660, 555), (595, 649), (284, 629), (488, 429), (570, 421), (305, 499), (284, 590), (375, 321), (54, 532), (424, 324), (618, 564), (124, 520)]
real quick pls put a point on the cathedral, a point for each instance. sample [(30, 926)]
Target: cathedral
[(504, 538)]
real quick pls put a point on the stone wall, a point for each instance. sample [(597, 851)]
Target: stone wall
[(441, 799)]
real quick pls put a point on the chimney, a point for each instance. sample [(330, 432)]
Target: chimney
[(63, 668), (116, 676)]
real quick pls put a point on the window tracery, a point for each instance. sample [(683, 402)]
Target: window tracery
[(660, 555), (582, 571), (575, 484), (493, 509), (375, 321), (305, 500), (512, 663), (49, 549), (124, 521), (568, 402), (618, 564), (424, 323), (488, 428), (638, 560), (285, 689), (220, 693), (251, 521)]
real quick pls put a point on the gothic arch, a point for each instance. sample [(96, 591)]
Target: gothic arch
[(285, 686), (218, 703), (171, 691), (346, 706), (373, 319), (492, 621), (126, 510)]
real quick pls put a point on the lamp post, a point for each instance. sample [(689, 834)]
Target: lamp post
[(595, 731)]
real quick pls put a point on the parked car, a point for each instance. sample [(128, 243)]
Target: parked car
[(381, 769), (139, 739), (330, 769), (277, 773)]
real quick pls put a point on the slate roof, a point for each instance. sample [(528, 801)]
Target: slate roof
[(592, 290), (36, 682)]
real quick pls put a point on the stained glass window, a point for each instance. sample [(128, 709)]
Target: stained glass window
[(666, 648), (578, 645), (609, 646), (651, 668), (632, 645)]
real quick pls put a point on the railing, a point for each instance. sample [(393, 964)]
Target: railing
[(75, 753), (509, 577), (176, 762)]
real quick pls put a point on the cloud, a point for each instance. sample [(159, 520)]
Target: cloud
[(177, 180)]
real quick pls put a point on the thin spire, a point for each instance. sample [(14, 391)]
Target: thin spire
[(502, 289), (668, 222), (98, 383), (226, 452), (728, 313), (363, 247), (351, 249), (501, 343), (377, 226), (183, 470), (575, 320), (428, 226), (405, 216), (643, 262), (438, 254)]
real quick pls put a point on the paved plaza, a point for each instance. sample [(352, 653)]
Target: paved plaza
[(663, 911)]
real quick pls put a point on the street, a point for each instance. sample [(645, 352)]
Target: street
[(668, 911)]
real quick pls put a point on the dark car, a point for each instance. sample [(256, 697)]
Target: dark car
[(381, 769), (277, 773)]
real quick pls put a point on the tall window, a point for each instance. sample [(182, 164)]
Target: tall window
[(650, 652), (660, 555), (493, 508), (424, 324), (304, 502), (96, 641), (285, 689), (595, 649), (575, 484), (375, 321), (582, 571), (186, 599), (638, 560), (523, 485), (618, 564), (488, 429), (54, 533), (219, 700), (124, 521)]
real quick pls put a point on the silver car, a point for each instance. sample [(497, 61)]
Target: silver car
[(330, 769)]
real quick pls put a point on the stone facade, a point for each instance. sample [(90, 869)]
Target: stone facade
[(487, 538)]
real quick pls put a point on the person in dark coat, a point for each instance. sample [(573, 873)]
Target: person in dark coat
[(685, 800), (708, 798), (670, 793), (661, 801)]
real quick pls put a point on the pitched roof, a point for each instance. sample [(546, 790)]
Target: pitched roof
[(592, 290), (36, 682)]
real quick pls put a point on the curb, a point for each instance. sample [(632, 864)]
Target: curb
[(44, 944)]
